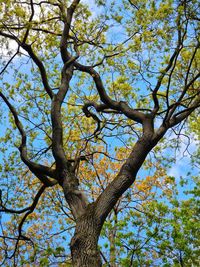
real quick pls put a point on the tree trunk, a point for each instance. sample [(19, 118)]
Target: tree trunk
[(84, 244)]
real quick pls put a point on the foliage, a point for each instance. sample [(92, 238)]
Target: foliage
[(161, 229)]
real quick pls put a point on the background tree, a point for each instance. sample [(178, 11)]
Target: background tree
[(80, 80)]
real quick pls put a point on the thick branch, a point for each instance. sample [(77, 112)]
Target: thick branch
[(67, 72), (88, 113), (39, 170), (41, 67), (57, 130), (119, 106), (124, 179), (67, 24)]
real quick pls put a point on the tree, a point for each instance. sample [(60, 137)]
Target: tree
[(80, 76)]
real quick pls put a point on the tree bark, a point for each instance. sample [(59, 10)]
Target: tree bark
[(84, 244)]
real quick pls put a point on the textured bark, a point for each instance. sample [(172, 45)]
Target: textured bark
[(84, 244), (75, 198)]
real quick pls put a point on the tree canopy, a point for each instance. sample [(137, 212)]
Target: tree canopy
[(93, 94)]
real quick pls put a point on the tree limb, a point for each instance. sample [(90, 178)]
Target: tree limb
[(39, 170), (119, 106)]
